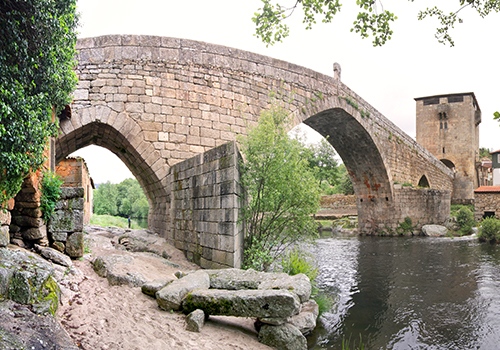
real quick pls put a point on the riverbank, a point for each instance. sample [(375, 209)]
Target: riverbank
[(101, 316)]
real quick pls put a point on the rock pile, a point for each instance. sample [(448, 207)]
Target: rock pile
[(280, 302)]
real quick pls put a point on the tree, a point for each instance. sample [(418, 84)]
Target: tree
[(37, 50), (484, 153), (496, 116), (281, 191), (345, 185), (105, 199), (322, 160), (371, 20)]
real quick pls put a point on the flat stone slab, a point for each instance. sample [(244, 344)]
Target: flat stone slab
[(170, 297), (243, 303), (236, 279)]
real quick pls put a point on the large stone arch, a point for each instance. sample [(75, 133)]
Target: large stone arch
[(123, 136), (165, 100)]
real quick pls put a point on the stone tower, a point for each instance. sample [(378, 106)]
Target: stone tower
[(448, 126)]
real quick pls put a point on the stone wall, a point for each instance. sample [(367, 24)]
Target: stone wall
[(423, 206), (65, 228), (338, 201), (5, 218), (206, 199), (487, 202), (74, 173)]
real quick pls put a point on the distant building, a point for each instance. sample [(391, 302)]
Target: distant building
[(486, 173), (74, 173), (448, 126), (487, 202), (496, 167)]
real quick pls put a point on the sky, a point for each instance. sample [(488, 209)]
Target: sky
[(412, 64)]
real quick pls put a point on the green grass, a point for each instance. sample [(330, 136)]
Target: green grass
[(116, 221)]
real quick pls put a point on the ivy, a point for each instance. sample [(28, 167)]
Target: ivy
[(51, 192), (37, 50)]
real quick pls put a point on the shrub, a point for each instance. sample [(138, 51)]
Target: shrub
[(465, 220), (490, 230), (51, 192), (296, 261)]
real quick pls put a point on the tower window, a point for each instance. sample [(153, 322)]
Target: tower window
[(441, 125), (446, 125), (443, 150)]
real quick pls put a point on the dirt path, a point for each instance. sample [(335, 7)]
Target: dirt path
[(100, 316)]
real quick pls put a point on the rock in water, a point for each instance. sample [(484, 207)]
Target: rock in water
[(305, 321), (284, 337), (434, 230), (195, 321)]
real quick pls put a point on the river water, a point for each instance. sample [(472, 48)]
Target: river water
[(409, 293)]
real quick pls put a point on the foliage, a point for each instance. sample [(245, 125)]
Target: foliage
[(345, 185), (51, 192), (490, 230), (371, 19), (496, 116), (324, 301), (465, 220), (406, 226), (124, 199), (484, 153), (116, 221), (37, 50), (281, 192), (321, 159), (455, 208), (296, 261)]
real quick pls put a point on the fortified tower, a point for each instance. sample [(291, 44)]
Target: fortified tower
[(448, 127)]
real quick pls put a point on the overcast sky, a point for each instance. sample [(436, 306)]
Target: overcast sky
[(413, 64)]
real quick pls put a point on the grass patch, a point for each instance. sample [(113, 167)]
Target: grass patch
[(116, 221)]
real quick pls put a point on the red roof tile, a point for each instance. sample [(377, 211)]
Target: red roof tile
[(495, 152), (488, 189)]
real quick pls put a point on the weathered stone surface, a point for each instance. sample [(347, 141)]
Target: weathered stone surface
[(4, 236), (272, 321), (451, 224), (170, 297), (27, 221), (20, 328), (72, 192), (34, 232), (28, 279), (60, 236), (235, 279), (434, 230), (305, 321), (150, 288), (59, 246), (54, 255), (67, 221), (32, 205), (17, 241), (5, 217), (33, 212), (106, 266), (244, 303), (284, 337), (14, 228), (74, 245), (195, 321)]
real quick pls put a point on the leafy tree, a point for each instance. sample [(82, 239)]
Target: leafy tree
[(496, 116), (322, 161), (37, 50), (281, 191), (105, 199), (345, 185), (484, 153), (372, 18), (140, 208)]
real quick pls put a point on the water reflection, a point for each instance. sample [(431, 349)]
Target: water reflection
[(410, 293)]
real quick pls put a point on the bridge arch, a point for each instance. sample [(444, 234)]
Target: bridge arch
[(124, 137), (156, 101)]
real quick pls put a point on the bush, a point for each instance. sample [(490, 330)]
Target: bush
[(51, 192), (465, 220), (490, 230), (296, 261)]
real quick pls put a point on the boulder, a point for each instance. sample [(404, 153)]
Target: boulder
[(284, 337), (298, 284), (4, 236), (74, 245), (195, 321), (33, 233), (105, 266), (20, 328), (150, 288), (54, 256), (434, 230), (170, 297), (305, 321), (243, 303)]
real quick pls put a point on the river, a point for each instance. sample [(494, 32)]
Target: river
[(409, 293)]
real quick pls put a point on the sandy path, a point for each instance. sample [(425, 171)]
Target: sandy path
[(101, 316)]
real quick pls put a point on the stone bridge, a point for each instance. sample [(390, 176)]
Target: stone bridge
[(156, 101)]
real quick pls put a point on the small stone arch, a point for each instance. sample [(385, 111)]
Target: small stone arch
[(423, 182)]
